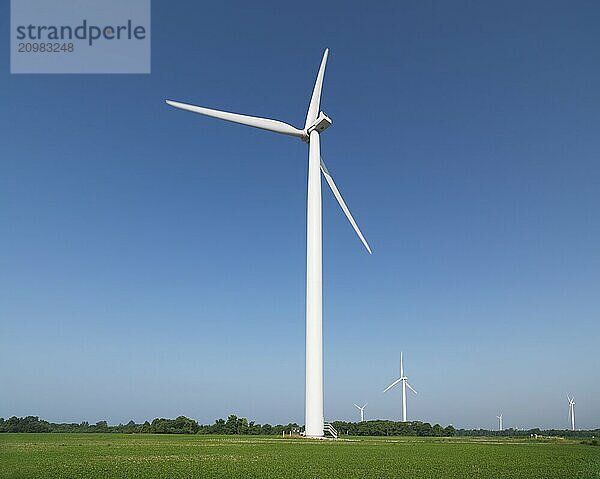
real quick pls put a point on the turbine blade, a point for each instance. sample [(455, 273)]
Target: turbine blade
[(365, 405), (343, 205), (356, 406), (401, 366), (392, 385), (256, 122), (315, 101), (411, 388)]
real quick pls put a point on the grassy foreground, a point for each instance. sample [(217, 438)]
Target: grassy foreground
[(129, 456)]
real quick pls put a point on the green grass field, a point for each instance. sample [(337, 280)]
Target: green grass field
[(47, 456)]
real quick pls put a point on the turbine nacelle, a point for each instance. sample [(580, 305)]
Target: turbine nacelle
[(320, 125)]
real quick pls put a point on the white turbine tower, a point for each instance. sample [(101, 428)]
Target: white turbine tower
[(316, 123), (499, 422), (362, 411), (404, 380), (571, 411)]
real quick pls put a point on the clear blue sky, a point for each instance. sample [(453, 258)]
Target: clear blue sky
[(152, 261)]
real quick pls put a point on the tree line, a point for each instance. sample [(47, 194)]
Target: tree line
[(392, 428), (512, 432), (241, 426), (179, 425)]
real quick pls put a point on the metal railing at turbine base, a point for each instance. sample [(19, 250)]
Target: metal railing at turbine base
[(328, 428)]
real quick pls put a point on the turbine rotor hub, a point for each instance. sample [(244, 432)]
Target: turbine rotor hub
[(321, 124)]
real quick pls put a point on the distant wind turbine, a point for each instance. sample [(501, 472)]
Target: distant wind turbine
[(571, 411), (404, 380), (362, 411), (316, 123), (499, 422)]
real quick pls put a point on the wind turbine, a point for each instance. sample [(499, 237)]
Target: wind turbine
[(362, 411), (316, 123), (571, 411), (499, 422), (404, 380)]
